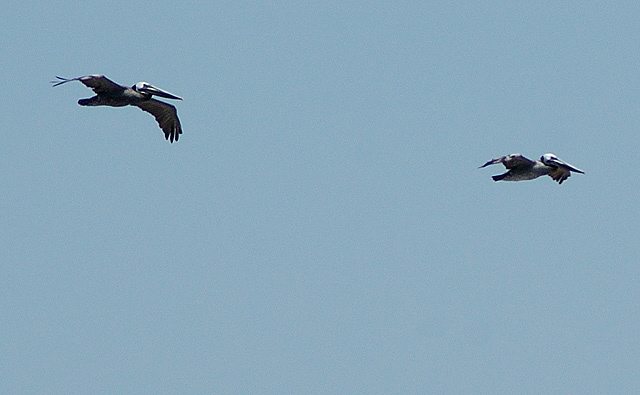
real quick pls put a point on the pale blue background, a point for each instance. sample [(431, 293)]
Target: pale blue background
[(321, 227)]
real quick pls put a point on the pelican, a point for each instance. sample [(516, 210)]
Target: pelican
[(108, 93), (521, 168)]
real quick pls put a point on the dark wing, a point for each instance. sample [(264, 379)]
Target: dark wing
[(560, 174), (515, 161), (493, 162), (511, 161), (99, 83), (166, 115)]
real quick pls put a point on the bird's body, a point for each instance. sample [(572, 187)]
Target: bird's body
[(521, 168), (108, 93)]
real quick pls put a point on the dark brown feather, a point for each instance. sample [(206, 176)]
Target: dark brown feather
[(166, 115)]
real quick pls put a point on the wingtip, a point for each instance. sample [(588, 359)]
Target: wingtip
[(61, 80), (170, 137)]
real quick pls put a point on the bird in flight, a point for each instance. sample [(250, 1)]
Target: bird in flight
[(108, 93), (521, 168)]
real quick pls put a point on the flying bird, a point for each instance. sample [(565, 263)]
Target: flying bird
[(521, 168), (108, 93)]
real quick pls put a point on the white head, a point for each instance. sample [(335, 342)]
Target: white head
[(549, 159), (141, 86)]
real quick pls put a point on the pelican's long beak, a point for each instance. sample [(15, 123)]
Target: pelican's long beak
[(564, 164), (154, 90)]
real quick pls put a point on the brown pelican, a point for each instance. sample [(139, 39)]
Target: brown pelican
[(108, 93), (521, 168)]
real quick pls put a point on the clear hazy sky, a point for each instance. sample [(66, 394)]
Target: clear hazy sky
[(321, 227)]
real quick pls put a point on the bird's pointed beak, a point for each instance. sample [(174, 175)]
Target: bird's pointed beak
[(566, 165), (154, 90)]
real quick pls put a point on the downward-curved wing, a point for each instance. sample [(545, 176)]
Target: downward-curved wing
[(166, 115), (561, 169), (560, 174)]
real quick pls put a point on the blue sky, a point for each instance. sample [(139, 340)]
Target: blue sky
[(321, 227)]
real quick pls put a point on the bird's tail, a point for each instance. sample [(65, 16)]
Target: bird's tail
[(499, 177)]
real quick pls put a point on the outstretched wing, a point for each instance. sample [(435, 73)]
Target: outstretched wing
[(99, 83), (514, 161), (166, 115), (511, 161)]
